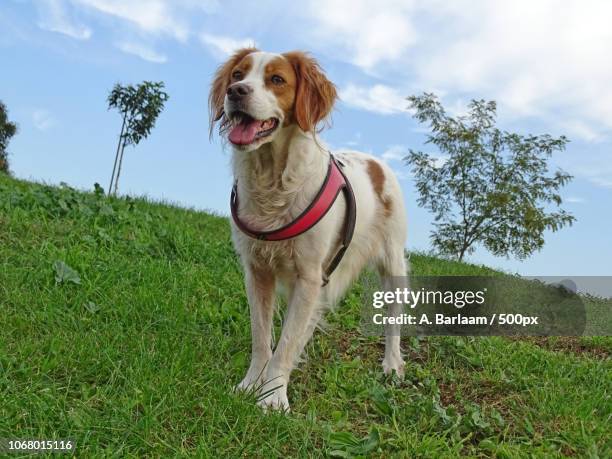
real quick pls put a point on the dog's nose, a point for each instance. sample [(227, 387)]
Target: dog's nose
[(238, 90)]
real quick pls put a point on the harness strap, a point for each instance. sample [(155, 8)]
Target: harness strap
[(350, 217), (335, 181)]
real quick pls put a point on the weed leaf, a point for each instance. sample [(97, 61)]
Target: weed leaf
[(92, 307), (64, 273)]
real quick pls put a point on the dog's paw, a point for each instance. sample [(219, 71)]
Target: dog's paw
[(247, 385), (390, 364), (273, 394), (253, 380), (275, 401)]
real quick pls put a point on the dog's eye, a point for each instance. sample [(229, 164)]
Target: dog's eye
[(237, 75), (276, 79)]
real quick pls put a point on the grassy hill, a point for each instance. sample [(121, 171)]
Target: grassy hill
[(124, 326)]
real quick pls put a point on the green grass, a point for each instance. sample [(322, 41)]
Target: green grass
[(124, 326)]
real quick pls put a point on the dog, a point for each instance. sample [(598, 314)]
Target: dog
[(270, 108)]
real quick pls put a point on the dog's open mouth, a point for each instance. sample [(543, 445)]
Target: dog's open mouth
[(246, 129)]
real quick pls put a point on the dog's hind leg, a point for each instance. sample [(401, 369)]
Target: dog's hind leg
[(393, 273)]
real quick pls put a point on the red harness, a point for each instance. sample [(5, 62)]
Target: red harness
[(335, 181)]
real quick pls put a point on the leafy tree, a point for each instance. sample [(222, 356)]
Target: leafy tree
[(140, 106), (7, 130), (488, 186)]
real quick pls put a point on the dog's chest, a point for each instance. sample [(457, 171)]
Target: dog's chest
[(278, 255)]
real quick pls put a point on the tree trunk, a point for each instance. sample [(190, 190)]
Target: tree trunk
[(119, 169), (110, 186), (462, 252)]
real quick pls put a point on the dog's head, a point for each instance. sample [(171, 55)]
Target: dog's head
[(254, 95)]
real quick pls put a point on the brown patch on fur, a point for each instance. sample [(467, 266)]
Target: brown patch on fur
[(315, 94), (223, 78), (377, 177), (244, 66), (285, 92)]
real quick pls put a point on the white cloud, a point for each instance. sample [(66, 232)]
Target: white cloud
[(602, 181), (393, 157), (171, 18), (596, 168), (547, 59), (395, 153), (370, 33), (355, 141), (378, 98), (54, 18), (574, 200), (43, 119), (142, 51), (163, 17), (222, 46), (582, 130), (150, 16)]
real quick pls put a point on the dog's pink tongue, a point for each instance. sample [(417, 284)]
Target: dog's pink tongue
[(244, 133)]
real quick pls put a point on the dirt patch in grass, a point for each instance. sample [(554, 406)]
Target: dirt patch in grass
[(571, 344), (448, 393), (351, 344), (487, 393)]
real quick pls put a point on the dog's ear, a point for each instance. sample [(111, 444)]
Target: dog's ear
[(218, 88), (315, 94)]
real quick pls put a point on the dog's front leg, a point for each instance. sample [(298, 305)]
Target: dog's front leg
[(303, 312), (260, 285)]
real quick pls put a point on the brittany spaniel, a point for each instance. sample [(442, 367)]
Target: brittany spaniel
[(270, 108)]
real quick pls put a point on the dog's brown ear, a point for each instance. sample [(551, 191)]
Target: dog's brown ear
[(315, 94), (218, 88)]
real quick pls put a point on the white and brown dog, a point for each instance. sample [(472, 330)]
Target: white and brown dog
[(269, 106)]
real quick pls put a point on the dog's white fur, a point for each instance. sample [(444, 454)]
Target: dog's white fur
[(278, 177)]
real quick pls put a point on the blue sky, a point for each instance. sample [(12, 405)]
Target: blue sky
[(546, 63)]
